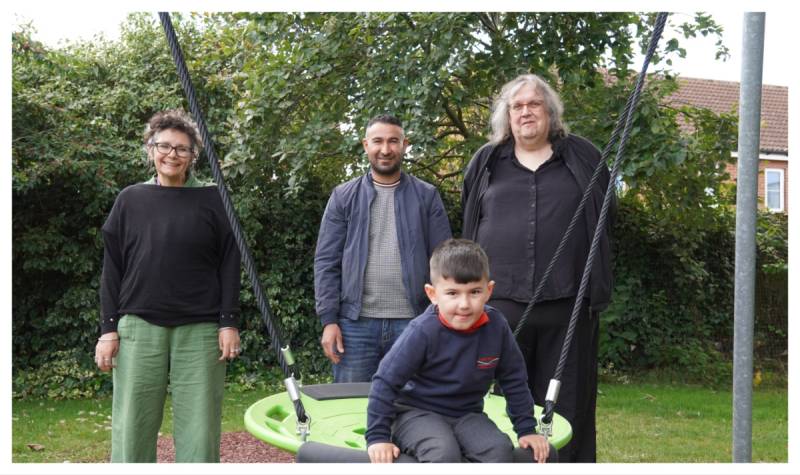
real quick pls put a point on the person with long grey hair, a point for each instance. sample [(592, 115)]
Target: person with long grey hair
[(519, 194), (501, 120)]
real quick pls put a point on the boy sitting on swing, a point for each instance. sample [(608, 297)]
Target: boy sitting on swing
[(427, 396)]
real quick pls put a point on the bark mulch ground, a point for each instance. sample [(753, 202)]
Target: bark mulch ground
[(235, 447)]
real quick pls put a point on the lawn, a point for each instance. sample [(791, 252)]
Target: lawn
[(80, 430), (637, 422), (669, 423)]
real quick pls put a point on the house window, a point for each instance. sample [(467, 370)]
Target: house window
[(773, 189)]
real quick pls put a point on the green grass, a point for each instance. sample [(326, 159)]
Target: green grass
[(636, 422), (75, 431), (670, 423), (80, 430)]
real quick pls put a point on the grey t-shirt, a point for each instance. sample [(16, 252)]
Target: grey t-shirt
[(384, 295)]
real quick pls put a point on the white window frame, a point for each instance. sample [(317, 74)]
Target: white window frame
[(780, 171)]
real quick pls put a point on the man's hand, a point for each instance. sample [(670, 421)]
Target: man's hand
[(539, 444), (383, 452), (332, 342)]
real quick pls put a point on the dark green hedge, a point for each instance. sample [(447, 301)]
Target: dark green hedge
[(78, 114)]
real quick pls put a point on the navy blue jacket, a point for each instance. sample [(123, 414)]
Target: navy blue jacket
[(343, 243), (442, 370)]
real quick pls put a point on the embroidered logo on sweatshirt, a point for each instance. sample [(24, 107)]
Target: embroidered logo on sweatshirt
[(488, 362)]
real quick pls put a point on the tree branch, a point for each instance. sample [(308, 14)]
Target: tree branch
[(454, 118)]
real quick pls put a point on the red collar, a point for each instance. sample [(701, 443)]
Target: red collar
[(481, 321)]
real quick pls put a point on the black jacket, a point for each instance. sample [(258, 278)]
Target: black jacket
[(581, 158)]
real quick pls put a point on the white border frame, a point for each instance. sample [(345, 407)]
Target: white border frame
[(782, 190)]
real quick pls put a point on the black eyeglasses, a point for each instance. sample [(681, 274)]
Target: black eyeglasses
[(180, 150)]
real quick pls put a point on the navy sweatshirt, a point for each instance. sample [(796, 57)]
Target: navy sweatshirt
[(170, 258), (442, 370)]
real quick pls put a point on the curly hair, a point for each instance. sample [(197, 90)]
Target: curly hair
[(175, 119)]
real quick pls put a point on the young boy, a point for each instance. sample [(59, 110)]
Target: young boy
[(427, 396)]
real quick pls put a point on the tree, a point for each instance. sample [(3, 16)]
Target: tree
[(286, 96)]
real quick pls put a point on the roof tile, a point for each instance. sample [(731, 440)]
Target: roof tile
[(723, 96)]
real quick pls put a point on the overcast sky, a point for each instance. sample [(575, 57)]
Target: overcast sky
[(55, 25)]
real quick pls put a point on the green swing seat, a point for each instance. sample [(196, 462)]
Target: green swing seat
[(338, 419)]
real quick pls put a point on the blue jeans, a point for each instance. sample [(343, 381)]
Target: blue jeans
[(365, 342)]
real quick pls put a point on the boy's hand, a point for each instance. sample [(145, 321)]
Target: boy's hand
[(383, 452), (539, 444)]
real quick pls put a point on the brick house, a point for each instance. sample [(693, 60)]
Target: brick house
[(773, 163)]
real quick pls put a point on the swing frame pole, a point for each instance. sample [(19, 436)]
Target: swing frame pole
[(746, 207)]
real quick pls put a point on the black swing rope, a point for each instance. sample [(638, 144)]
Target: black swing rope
[(627, 119), (284, 355)]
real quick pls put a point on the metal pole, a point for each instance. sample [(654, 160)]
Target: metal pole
[(746, 206)]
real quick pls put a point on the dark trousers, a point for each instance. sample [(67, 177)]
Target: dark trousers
[(540, 342), (432, 437)]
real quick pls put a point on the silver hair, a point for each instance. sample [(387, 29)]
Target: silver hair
[(501, 127)]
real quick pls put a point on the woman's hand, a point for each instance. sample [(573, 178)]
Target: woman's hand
[(229, 343), (106, 350)]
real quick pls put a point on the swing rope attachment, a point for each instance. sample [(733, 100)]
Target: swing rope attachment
[(271, 328), (627, 119)]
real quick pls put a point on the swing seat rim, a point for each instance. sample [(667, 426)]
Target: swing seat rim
[(272, 419)]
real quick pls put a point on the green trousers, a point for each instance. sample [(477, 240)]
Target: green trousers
[(149, 358)]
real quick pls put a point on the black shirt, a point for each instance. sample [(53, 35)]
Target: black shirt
[(170, 258), (523, 216)]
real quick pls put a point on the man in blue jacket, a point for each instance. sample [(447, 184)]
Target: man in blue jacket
[(376, 237)]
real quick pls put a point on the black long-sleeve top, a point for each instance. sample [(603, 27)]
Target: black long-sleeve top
[(580, 158), (170, 258), (523, 216)]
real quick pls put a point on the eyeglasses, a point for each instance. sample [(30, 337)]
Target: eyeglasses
[(181, 151), (518, 107)]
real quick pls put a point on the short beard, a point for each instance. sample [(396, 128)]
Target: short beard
[(386, 171)]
